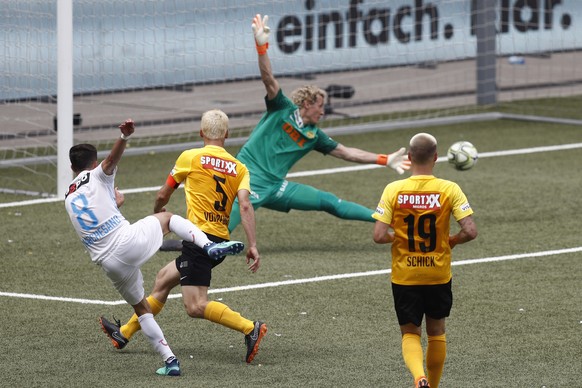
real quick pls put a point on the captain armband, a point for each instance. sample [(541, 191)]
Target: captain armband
[(170, 181)]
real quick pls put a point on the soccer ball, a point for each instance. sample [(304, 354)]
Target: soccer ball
[(462, 155)]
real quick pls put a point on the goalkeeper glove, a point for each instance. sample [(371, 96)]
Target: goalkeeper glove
[(397, 160), (261, 32)]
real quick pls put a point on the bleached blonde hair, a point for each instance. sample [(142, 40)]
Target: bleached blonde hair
[(307, 93), (214, 124)]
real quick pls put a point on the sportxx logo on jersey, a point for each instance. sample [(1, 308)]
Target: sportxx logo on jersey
[(220, 165), (423, 201)]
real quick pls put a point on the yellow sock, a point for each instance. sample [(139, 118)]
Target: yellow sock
[(412, 354), (132, 326), (436, 353), (220, 313)]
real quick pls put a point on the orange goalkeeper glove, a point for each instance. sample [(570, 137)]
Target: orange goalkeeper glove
[(397, 160), (261, 32)]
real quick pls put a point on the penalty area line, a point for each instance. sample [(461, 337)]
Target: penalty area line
[(304, 280)]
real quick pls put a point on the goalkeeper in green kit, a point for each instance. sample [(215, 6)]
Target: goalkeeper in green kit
[(286, 133)]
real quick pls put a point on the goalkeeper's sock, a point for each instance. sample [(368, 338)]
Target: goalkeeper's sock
[(220, 313), (436, 353), (344, 209), (188, 231), (132, 326), (412, 354), (353, 211)]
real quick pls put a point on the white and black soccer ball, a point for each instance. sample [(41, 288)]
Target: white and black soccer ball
[(462, 155)]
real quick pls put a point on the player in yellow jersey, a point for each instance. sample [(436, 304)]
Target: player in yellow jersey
[(212, 179), (414, 215)]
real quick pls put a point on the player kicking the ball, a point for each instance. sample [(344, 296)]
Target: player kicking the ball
[(212, 179), (121, 248)]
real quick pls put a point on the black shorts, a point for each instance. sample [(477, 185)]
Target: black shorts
[(413, 302), (194, 265)]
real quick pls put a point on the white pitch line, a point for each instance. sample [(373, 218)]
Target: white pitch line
[(304, 281), (482, 155), (326, 171), (61, 299)]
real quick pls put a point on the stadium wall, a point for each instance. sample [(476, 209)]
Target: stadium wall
[(307, 35)]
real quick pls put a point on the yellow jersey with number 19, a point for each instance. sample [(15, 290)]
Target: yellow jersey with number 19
[(419, 210), (212, 178)]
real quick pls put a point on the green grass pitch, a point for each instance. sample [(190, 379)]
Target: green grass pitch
[(514, 322)]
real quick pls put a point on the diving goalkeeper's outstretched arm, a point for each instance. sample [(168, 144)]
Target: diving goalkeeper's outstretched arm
[(262, 31)]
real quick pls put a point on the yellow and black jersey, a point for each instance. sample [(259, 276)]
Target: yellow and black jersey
[(212, 178), (419, 210)]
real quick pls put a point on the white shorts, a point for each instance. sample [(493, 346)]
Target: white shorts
[(137, 243)]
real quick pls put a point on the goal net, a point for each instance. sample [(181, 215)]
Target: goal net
[(164, 62)]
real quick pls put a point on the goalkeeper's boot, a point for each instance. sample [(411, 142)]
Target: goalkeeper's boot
[(113, 332), (172, 368), (253, 339), (421, 382), (217, 251)]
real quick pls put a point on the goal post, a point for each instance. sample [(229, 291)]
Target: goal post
[(164, 62), (486, 58), (64, 94)]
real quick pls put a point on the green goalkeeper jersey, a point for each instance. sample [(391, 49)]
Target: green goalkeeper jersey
[(280, 139)]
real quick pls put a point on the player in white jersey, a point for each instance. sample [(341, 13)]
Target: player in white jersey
[(121, 248)]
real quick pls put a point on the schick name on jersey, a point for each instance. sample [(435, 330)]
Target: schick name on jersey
[(424, 201), (220, 165)]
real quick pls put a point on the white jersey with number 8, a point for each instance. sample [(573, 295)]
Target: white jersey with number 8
[(90, 202)]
